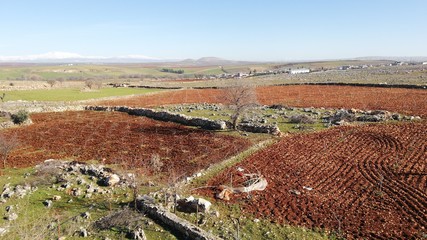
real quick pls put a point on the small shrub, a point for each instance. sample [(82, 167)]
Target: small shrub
[(156, 163), (301, 119), (51, 82), (20, 117)]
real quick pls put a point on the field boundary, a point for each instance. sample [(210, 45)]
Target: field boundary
[(407, 86)]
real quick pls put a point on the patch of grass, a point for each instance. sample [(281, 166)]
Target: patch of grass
[(233, 224), (72, 94), (35, 221)]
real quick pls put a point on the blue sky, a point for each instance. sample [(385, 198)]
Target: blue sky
[(233, 29)]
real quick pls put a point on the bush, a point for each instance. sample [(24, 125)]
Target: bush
[(20, 117), (301, 119)]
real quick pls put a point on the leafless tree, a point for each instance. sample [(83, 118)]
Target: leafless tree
[(239, 98), (89, 83), (7, 144), (51, 82)]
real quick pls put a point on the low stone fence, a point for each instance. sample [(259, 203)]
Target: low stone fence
[(188, 230), (39, 107), (203, 123), (258, 128)]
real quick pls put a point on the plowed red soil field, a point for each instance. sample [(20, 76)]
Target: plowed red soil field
[(366, 182), (406, 101), (119, 138)]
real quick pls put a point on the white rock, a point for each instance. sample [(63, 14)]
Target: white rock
[(56, 198), (113, 179)]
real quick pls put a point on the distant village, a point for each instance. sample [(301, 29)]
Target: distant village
[(302, 70)]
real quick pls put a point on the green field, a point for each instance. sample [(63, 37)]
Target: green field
[(72, 94), (84, 71)]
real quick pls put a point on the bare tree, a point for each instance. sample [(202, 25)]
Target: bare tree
[(89, 83), (7, 144), (51, 82), (239, 98)]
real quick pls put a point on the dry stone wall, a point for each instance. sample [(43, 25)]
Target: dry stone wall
[(203, 123), (188, 230)]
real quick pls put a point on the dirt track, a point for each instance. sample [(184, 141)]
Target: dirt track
[(120, 138), (368, 182)]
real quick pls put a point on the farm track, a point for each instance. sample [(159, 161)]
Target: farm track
[(357, 189)]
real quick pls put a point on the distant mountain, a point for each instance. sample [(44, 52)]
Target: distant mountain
[(395, 58), (212, 61), (65, 57)]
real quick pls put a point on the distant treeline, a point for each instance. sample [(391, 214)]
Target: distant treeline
[(170, 70)]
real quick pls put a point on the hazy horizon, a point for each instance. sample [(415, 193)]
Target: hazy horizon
[(235, 30)]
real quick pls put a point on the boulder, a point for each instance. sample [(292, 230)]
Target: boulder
[(47, 203), (138, 234), (191, 205), (83, 232), (109, 181), (12, 217), (85, 215), (56, 198)]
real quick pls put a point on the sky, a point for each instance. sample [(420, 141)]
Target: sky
[(267, 30)]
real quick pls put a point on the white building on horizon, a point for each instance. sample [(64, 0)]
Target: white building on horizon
[(299, 71)]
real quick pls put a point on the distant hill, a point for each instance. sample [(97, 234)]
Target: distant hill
[(393, 58), (211, 61)]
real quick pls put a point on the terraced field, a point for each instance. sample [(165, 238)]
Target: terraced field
[(119, 138), (362, 182), (406, 101)]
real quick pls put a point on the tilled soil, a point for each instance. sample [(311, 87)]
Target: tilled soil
[(120, 138), (363, 182), (405, 101)]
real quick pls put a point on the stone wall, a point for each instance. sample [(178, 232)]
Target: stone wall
[(203, 123), (37, 107), (188, 230), (258, 128)]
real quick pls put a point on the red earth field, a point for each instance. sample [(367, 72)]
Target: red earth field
[(367, 182), (406, 101), (120, 138)]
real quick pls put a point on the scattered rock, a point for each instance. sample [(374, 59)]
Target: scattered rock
[(138, 234), (85, 215), (295, 192), (47, 203), (56, 198), (4, 230), (76, 192), (9, 208), (83, 232), (111, 180), (191, 205), (11, 217)]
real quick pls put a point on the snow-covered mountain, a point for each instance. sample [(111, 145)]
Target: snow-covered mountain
[(66, 57)]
